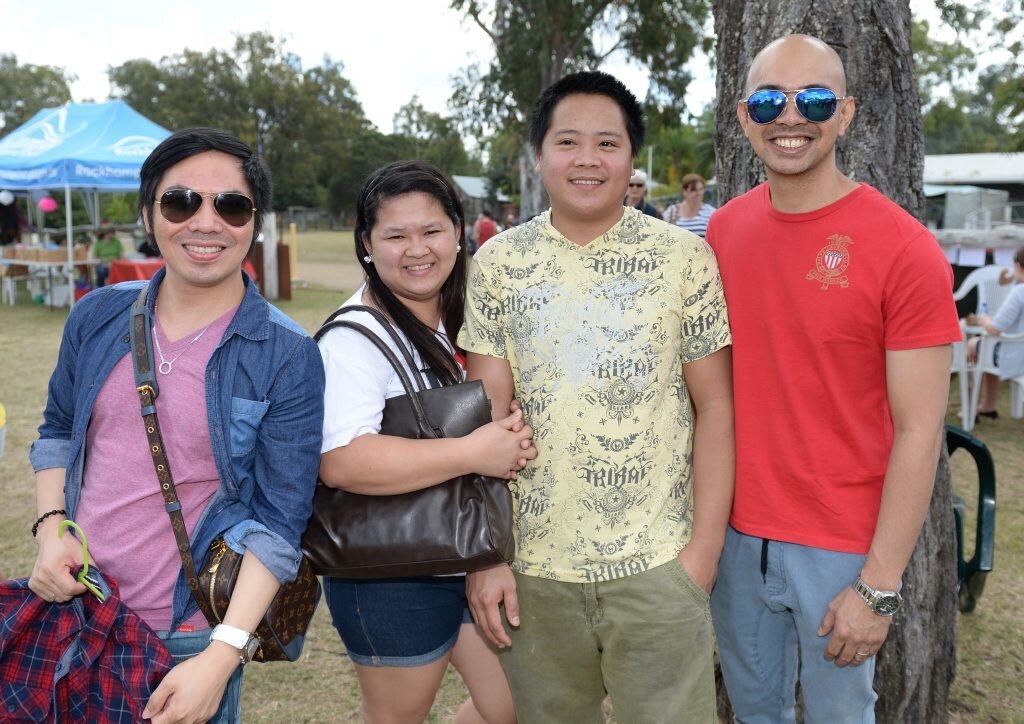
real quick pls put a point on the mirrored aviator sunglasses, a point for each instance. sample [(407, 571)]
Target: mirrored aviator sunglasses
[(817, 105), (178, 205)]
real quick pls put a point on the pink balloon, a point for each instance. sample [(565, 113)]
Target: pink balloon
[(47, 204)]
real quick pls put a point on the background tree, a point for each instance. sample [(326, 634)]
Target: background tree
[(435, 138), (320, 131), (502, 149), (956, 99), (308, 123), (994, 31), (26, 89), (884, 147), (536, 42), (681, 149), (370, 151)]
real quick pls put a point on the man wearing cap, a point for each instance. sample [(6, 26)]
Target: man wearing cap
[(635, 194)]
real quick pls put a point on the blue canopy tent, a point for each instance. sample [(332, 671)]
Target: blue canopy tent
[(86, 147)]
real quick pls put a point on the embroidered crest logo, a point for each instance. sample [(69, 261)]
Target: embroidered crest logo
[(831, 262)]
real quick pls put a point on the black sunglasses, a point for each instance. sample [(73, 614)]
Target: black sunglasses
[(633, 185), (178, 205), (817, 105)]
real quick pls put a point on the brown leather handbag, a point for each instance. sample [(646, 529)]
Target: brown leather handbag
[(457, 526), (284, 625), (282, 630)]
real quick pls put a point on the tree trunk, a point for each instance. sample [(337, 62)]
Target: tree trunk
[(918, 661), (533, 199), (885, 148)]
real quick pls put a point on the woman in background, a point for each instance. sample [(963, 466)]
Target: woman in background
[(691, 213), (1009, 358)]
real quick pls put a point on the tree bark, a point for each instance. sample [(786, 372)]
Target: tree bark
[(885, 148), (533, 199), (918, 661)]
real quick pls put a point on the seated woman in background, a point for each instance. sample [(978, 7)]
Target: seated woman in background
[(691, 213), (1009, 358), (401, 633), (107, 249)]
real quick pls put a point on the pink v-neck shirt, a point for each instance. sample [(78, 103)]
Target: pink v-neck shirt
[(121, 509)]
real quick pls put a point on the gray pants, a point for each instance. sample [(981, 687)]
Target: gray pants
[(767, 628)]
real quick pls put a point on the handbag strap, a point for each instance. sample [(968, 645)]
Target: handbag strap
[(146, 386), (427, 429), (383, 321)]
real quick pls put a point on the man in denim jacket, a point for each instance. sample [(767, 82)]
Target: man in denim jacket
[(240, 406)]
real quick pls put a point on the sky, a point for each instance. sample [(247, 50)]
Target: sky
[(391, 49)]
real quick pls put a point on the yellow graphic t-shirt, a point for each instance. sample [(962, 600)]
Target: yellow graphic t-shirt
[(596, 336)]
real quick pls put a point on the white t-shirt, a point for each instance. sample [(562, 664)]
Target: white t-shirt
[(1010, 320), (359, 378)]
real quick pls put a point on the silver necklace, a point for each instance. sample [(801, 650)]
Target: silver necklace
[(167, 365)]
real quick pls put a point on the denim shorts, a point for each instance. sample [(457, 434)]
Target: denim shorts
[(398, 621)]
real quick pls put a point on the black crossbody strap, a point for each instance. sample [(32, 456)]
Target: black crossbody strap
[(146, 386)]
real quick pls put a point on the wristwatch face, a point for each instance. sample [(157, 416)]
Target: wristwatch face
[(251, 647), (886, 604), (883, 603)]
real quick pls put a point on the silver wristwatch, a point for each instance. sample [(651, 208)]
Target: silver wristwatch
[(245, 642), (884, 603)]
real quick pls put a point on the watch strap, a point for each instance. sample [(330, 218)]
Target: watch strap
[(883, 603), (238, 638)]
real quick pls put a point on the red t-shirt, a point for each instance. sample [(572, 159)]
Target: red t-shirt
[(485, 229), (815, 300)]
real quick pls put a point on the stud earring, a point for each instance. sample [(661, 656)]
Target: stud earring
[(368, 259), (458, 248)]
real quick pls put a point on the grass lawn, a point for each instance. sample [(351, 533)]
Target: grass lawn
[(322, 686)]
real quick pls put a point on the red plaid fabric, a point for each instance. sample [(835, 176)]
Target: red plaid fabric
[(81, 661)]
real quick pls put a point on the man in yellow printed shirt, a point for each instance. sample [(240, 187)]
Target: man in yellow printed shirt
[(610, 328)]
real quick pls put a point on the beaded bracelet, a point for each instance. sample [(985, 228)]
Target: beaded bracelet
[(44, 516)]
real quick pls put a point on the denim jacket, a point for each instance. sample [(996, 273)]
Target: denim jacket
[(264, 401)]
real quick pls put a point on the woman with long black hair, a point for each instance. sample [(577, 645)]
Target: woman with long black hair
[(402, 633)]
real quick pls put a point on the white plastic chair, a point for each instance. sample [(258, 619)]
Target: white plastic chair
[(1017, 397), (990, 295), (990, 292), (985, 365), (960, 368)]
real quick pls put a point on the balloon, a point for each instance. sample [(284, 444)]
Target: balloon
[(6, 197), (47, 204)]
